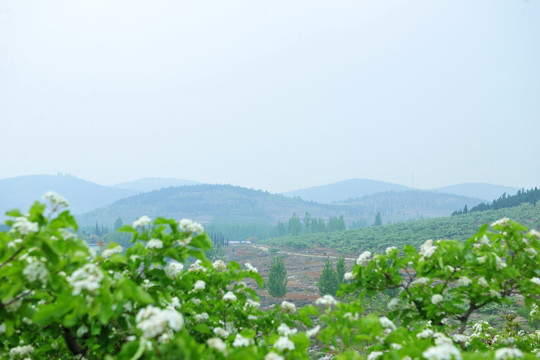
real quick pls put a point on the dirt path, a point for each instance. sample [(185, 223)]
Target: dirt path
[(264, 248)]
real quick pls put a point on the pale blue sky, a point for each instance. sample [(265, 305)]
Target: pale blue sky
[(276, 95)]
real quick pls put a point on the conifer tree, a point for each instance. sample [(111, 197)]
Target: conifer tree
[(341, 269), (328, 282), (277, 278)]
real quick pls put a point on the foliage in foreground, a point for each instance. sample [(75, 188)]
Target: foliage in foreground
[(60, 301)]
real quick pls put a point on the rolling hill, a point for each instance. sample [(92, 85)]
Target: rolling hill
[(343, 190), (20, 192), (233, 204), (151, 184)]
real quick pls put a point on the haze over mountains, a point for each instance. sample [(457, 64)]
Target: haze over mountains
[(354, 199)]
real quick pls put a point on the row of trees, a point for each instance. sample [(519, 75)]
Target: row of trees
[(505, 201), (309, 224)]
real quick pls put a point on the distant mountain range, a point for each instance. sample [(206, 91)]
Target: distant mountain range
[(343, 190), (356, 188), (150, 184), (354, 199), (21, 192)]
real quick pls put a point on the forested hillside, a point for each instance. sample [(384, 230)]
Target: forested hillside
[(531, 196), (413, 233)]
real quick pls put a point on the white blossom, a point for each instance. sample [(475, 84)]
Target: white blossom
[(424, 334), (87, 277), (250, 267), (55, 199), (464, 281), (283, 343), (499, 263), (82, 330), (199, 285), (482, 282), (326, 300), (312, 332), (273, 356), (201, 317), (501, 222), (284, 330), (481, 259), (221, 332), (197, 266), (154, 321), (421, 281), (348, 275), (393, 304), (460, 338), (21, 351), (184, 242), (142, 221), (364, 258), (173, 269), (390, 249), (387, 323), (191, 226), (396, 346), (535, 280), (251, 303), (437, 298), (2, 328), (442, 352), (534, 233), (288, 307), (175, 303), (107, 253), (217, 343), (36, 270), (24, 226), (229, 296), (532, 253), (495, 294), (154, 244), (427, 249), (219, 265), (374, 355), (252, 317), (196, 301), (240, 341), (508, 353)]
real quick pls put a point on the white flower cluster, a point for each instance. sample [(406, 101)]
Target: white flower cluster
[(363, 258), (154, 244), (55, 199), (444, 351), (387, 323), (464, 281), (36, 270), (197, 265), (348, 275), (535, 280), (217, 344), (240, 341), (501, 222), (273, 356), (87, 277), (143, 221), (284, 330), (284, 343), (229, 296), (326, 300), (199, 285), (437, 298), (390, 249), (154, 321), (508, 353), (219, 265), (374, 355), (250, 267), (201, 317), (482, 281), (221, 332), (288, 307), (425, 334), (107, 253), (427, 249), (421, 281), (173, 269), (21, 351), (534, 233), (312, 332), (191, 226), (25, 226)]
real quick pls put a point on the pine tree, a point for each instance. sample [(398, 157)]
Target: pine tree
[(341, 269), (277, 278), (328, 282), (378, 219)]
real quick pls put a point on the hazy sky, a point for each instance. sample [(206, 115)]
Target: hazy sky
[(276, 95)]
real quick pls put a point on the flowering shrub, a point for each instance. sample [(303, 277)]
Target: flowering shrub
[(58, 300)]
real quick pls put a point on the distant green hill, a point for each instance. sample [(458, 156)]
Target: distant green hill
[(237, 205), (343, 190), (413, 233), (20, 192), (151, 184)]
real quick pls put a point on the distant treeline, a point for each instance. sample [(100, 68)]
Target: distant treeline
[(505, 201), (294, 226)]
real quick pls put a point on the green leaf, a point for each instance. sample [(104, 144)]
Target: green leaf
[(49, 313)]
